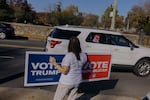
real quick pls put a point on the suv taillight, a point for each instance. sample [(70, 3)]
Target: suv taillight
[(53, 43)]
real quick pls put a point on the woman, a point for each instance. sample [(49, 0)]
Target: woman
[(71, 70)]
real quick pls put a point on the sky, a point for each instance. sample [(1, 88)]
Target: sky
[(96, 7)]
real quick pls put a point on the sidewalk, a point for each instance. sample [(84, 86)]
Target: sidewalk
[(39, 94)]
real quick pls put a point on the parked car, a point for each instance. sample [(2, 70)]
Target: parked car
[(6, 30), (124, 52), (147, 97)]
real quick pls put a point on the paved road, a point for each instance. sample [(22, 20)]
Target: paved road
[(120, 83), (12, 56), (25, 44)]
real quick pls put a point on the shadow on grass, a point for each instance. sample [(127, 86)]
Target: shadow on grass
[(91, 89)]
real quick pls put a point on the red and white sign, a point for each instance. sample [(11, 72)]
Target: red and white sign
[(98, 67)]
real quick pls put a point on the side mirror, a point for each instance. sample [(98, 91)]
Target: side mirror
[(132, 47)]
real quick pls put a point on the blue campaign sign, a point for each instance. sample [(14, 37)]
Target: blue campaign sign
[(38, 70)]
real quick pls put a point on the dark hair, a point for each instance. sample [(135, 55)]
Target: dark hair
[(74, 46)]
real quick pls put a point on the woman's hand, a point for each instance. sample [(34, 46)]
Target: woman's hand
[(64, 69), (52, 60)]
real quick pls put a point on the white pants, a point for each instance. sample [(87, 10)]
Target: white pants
[(62, 90)]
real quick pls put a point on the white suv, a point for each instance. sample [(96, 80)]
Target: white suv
[(124, 52)]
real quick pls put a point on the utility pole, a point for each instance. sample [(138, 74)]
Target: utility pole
[(114, 15)]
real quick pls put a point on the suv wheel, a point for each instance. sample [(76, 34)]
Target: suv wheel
[(142, 68), (2, 35)]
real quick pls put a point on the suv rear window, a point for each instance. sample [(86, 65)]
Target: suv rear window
[(63, 34)]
